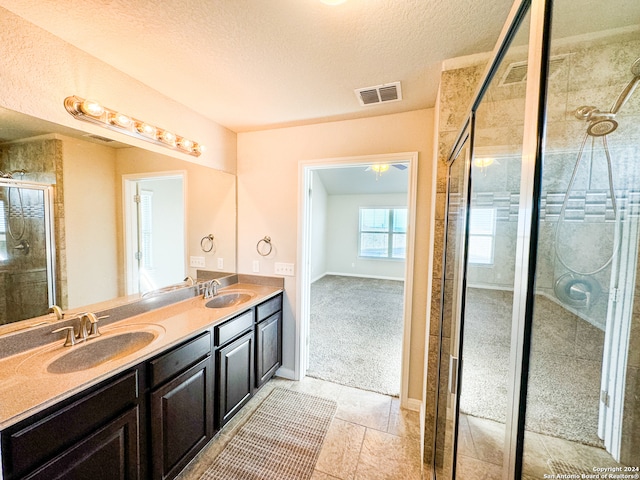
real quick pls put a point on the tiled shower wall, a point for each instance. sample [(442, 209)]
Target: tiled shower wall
[(591, 73), (23, 278)]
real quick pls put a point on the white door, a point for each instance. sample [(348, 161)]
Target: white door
[(616, 341)]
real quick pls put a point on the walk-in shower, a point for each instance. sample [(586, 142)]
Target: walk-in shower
[(539, 341), (579, 287), (27, 273)]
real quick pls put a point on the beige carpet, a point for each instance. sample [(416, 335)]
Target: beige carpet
[(356, 332), (280, 441)]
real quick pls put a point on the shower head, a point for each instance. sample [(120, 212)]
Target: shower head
[(602, 127)]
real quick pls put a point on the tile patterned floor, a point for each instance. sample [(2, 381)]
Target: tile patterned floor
[(370, 438), (481, 444)]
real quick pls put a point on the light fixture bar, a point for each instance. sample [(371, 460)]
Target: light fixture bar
[(94, 112)]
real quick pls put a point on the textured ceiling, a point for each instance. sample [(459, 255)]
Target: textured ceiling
[(251, 64)]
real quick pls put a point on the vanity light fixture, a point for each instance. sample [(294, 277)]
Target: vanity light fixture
[(333, 2), (94, 112)]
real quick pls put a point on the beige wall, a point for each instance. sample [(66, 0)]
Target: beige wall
[(90, 222), (268, 202), (39, 70), (210, 204)]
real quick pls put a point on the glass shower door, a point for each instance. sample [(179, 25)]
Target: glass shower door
[(583, 385), (478, 289), (26, 251), (452, 288)]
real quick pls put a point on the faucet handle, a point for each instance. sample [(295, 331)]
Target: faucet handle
[(71, 338), (92, 320)]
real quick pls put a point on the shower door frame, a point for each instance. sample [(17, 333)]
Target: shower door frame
[(539, 12), (50, 251)]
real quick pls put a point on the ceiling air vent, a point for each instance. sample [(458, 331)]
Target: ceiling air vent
[(389, 92), (517, 72), (99, 138)]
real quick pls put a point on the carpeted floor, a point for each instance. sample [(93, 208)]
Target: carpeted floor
[(356, 332), (564, 381), (281, 440)]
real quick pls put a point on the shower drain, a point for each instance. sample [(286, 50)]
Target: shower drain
[(559, 467)]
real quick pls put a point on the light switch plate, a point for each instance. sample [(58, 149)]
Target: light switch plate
[(286, 269), (220, 263), (256, 266), (196, 262)]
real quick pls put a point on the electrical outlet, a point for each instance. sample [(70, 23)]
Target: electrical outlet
[(256, 266), (220, 263), (286, 269), (196, 262)]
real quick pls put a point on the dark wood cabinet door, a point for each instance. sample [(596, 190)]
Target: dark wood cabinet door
[(181, 419), (111, 453), (234, 363), (268, 348)]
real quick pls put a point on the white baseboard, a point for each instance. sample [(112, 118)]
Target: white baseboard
[(414, 404), (318, 277), (379, 277), (286, 373)]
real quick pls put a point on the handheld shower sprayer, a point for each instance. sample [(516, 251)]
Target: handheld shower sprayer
[(603, 123), (629, 89)]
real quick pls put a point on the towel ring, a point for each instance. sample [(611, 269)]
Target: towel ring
[(206, 244), (267, 241)]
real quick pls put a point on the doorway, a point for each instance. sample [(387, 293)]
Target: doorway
[(155, 243), (356, 251)]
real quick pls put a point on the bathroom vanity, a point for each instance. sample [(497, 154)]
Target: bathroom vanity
[(145, 414)]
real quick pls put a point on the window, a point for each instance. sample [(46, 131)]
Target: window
[(146, 228), (383, 233), (482, 232), (3, 232)]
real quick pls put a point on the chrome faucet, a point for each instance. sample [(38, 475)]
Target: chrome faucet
[(211, 288), (87, 329), (57, 311)]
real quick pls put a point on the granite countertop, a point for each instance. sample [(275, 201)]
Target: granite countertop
[(26, 387)]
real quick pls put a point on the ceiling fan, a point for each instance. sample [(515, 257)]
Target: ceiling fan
[(380, 168), (383, 167)]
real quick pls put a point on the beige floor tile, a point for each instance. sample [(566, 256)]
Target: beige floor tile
[(577, 454), (465, 440), (403, 422), (368, 409), (488, 439), (317, 475), (386, 456), (536, 457), (341, 449), (468, 468), (320, 388)]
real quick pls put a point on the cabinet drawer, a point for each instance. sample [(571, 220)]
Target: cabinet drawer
[(269, 307), (163, 368), (232, 328), (33, 443)]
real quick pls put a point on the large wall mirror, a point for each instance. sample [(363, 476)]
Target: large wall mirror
[(124, 221)]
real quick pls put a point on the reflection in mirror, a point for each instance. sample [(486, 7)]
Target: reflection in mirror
[(89, 177)]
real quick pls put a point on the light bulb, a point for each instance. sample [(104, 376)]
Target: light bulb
[(380, 168), (483, 162), (121, 120), (333, 2), (185, 144), (92, 108), (168, 137), (146, 129)]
